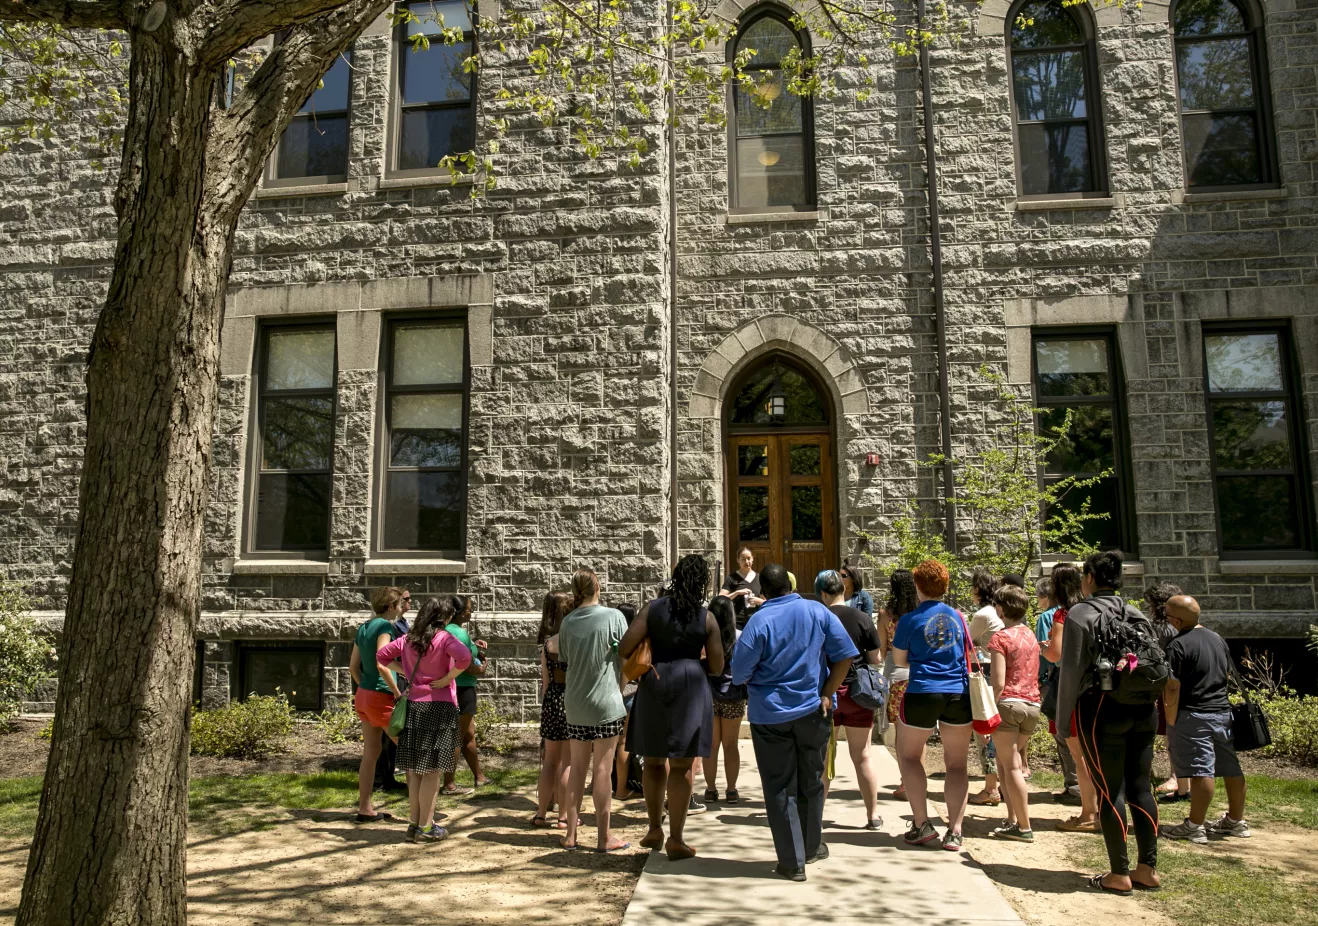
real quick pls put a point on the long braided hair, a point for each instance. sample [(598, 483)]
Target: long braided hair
[(687, 591)]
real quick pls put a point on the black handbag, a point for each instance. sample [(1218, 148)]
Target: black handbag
[(1249, 725), (1048, 701), (868, 687)]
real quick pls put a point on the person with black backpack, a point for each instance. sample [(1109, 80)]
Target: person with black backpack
[(1112, 672)]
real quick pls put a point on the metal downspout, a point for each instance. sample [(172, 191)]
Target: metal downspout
[(672, 297), (940, 314)]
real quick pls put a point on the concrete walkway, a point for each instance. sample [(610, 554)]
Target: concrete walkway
[(869, 876)]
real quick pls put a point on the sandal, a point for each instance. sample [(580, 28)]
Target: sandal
[(454, 789), (539, 820), (382, 816), (986, 799), (625, 845), (1096, 882), (1073, 825)]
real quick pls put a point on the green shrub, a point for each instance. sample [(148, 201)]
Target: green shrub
[(25, 655), (1293, 720), (492, 728), (340, 724), (247, 729)]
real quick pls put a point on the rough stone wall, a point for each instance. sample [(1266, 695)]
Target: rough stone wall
[(569, 414), (858, 272)]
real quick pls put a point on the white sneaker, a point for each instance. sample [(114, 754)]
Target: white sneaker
[(1194, 832), (1228, 827)]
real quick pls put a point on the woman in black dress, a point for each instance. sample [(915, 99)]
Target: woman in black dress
[(743, 587), (554, 765), (673, 718)]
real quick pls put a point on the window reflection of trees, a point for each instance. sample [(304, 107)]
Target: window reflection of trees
[(803, 405)]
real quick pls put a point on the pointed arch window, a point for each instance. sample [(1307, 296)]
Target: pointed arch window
[(1221, 79), (772, 131), (1059, 144)]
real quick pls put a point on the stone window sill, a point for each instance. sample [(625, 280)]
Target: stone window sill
[(1128, 568), (765, 218), (1044, 205), (426, 180), (280, 567), (1227, 196), (302, 189), (1263, 567), (415, 567)]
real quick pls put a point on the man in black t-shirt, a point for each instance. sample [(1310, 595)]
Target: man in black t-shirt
[(1199, 724)]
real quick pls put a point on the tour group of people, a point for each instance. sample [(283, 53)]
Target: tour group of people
[(787, 662)]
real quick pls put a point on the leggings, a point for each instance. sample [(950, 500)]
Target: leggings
[(1117, 743)]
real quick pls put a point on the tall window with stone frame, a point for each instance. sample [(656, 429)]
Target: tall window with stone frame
[(1256, 437), (294, 439), (434, 113), (314, 147), (1055, 103), (424, 474), (1077, 370), (771, 130), (1221, 75)]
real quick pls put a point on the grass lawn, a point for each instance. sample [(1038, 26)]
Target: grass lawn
[(225, 804), (1224, 886)]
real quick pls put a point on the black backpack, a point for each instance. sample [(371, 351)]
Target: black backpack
[(1130, 665)]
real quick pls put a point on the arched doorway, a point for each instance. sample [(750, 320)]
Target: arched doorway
[(780, 478)]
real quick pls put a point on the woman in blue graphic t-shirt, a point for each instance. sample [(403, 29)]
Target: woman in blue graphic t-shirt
[(931, 641)]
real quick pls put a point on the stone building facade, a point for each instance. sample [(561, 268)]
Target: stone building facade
[(600, 377)]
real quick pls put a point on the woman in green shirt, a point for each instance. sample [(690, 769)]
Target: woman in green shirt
[(588, 643), (377, 689), (466, 697)]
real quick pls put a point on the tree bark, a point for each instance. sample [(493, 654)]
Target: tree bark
[(110, 844), (111, 836)]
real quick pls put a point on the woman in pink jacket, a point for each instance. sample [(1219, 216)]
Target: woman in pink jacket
[(431, 659)]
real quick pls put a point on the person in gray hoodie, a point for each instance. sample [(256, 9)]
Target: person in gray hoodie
[(1116, 739)]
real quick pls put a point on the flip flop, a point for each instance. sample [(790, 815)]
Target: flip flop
[(539, 820), (983, 800), (625, 845), (382, 817), (1096, 882), (456, 789), (1150, 888), (572, 848)]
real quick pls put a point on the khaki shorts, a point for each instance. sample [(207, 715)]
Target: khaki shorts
[(1017, 717)]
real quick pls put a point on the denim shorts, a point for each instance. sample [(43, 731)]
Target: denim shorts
[(1201, 745)]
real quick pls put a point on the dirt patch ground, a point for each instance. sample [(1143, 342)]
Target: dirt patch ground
[(317, 866)]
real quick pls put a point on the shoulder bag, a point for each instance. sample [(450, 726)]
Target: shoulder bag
[(1249, 725), (638, 663), (398, 718), (983, 706), (868, 687)]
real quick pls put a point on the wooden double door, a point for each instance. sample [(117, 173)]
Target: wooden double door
[(780, 504)]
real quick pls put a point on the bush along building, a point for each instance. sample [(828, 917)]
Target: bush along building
[(737, 342)]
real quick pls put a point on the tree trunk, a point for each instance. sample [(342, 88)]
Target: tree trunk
[(110, 843)]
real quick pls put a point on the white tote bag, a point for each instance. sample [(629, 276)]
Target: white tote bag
[(983, 706)]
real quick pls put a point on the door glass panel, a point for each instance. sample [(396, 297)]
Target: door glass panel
[(807, 513), (300, 360), (426, 355), (1258, 512), (753, 513), (1243, 362), (1251, 435), (805, 460), (753, 460)]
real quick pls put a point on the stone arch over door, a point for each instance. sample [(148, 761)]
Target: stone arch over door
[(701, 464)]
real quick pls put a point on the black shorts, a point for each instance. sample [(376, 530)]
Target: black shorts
[(925, 711), (466, 700)]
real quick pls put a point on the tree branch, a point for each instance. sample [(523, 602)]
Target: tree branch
[(245, 135), (75, 14), (228, 26)]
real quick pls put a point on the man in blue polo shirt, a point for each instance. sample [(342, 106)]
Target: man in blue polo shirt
[(792, 657)]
